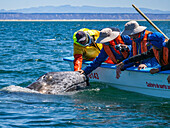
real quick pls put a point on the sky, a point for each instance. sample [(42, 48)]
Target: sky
[(151, 4)]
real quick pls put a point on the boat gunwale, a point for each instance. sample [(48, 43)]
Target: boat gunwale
[(113, 66)]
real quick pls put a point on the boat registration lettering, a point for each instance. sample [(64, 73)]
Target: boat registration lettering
[(93, 76), (157, 86)]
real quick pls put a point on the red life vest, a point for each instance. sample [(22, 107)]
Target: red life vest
[(142, 44), (112, 44), (162, 61)]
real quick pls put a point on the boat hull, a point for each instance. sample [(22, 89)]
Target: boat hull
[(131, 79)]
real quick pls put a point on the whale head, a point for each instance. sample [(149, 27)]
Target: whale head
[(60, 82)]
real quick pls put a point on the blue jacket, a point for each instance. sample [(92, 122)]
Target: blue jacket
[(103, 56)]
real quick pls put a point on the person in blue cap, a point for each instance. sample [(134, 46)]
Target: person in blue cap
[(158, 50)]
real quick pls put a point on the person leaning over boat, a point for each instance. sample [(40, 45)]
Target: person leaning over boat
[(167, 44), (159, 51), (85, 46), (139, 36), (110, 38)]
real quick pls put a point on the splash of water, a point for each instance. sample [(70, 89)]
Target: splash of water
[(13, 88)]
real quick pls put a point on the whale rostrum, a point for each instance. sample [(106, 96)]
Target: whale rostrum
[(59, 82)]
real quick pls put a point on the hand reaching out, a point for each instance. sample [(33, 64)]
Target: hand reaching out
[(118, 69), (141, 66), (154, 70), (168, 79), (81, 71)]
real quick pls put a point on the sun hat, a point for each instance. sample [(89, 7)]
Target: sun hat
[(81, 36), (113, 29), (132, 27), (107, 35)]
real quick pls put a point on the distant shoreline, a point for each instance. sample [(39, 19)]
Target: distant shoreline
[(85, 20), (80, 17)]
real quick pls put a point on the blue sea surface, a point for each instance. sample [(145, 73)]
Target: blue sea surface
[(30, 49)]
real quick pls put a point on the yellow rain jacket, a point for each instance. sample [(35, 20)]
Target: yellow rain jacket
[(85, 52)]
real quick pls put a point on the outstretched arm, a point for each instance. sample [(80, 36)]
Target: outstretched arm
[(78, 58), (118, 69), (96, 62), (139, 57), (136, 58)]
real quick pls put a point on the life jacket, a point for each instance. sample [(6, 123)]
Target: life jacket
[(165, 56), (84, 53), (112, 44), (142, 44)]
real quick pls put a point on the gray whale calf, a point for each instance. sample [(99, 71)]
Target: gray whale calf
[(59, 82)]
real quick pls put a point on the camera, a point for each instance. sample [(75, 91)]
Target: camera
[(120, 48)]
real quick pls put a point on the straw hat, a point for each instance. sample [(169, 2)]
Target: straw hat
[(132, 27), (107, 35)]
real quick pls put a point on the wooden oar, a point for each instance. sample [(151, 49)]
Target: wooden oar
[(149, 21)]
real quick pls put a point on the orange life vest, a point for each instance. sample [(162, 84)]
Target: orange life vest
[(164, 60), (142, 44), (112, 44)]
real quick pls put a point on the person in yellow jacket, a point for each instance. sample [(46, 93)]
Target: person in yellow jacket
[(85, 47)]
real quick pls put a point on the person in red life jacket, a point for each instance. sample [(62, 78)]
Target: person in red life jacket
[(110, 38), (158, 50), (139, 36)]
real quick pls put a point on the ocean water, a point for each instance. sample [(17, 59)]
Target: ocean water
[(31, 49)]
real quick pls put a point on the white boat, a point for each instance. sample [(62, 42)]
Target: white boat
[(132, 79)]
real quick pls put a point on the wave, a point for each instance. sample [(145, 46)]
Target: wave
[(13, 88), (47, 39)]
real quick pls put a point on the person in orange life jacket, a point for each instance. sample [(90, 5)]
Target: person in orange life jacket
[(139, 36), (158, 51), (85, 47), (167, 44), (109, 39)]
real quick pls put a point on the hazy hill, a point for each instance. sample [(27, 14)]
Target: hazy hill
[(83, 9), (80, 16)]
